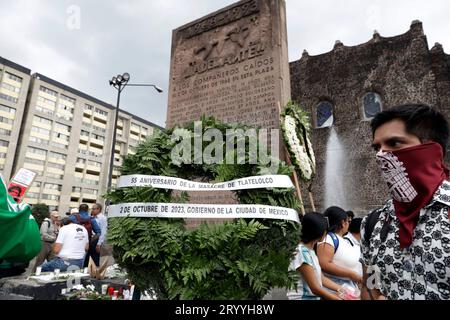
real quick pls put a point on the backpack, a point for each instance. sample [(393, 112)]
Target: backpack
[(48, 222), (372, 219), (335, 240), (87, 223)]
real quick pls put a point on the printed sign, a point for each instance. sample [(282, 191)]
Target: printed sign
[(162, 182), (20, 184), (204, 211)]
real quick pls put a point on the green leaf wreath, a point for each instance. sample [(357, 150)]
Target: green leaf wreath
[(239, 259), (296, 130)]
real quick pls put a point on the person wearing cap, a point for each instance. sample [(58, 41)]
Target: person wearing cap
[(49, 233)]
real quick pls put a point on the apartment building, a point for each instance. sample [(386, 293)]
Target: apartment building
[(14, 82), (66, 137)]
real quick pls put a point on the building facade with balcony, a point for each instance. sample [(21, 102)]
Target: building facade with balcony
[(14, 82), (66, 138)]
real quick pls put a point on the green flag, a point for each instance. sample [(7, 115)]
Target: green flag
[(20, 239)]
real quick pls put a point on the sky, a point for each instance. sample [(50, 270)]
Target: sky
[(84, 43)]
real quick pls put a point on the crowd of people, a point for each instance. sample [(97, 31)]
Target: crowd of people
[(72, 240), (400, 251)]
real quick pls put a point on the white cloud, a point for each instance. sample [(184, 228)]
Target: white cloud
[(135, 36)]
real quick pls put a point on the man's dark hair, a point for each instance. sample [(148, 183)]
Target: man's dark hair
[(83, 207), (335, 217), (355, 225), (351, 214), (314, 226), (422, 121), (65, 221)]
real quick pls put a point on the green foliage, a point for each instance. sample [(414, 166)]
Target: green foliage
[(241, 259), (40, 211)]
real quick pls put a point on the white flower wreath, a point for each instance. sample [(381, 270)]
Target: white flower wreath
[(297, 147)]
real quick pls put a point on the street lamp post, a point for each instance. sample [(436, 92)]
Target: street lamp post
[(119, 83)]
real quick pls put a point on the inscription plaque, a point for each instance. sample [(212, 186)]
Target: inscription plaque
[(231, 64)]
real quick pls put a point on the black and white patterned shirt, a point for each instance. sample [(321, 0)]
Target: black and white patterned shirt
[(421, 271)]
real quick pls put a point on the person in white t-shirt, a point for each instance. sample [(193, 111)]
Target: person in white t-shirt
[(312, 283), (70, 247), (354, 238), (340, 261)]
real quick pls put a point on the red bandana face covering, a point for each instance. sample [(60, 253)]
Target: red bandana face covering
[(413, 176)]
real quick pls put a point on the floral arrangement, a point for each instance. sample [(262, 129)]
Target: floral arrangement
[(86, 293), (236, 260), (296, 127)]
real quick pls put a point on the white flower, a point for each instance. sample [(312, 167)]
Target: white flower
[(301, 158)]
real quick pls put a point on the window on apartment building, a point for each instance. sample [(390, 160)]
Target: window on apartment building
[(46, 101), (81, 160), (76, 189), (56, 166), (90, 191), (372, 104), (95, 154), (135, 127), (57, 155), (61, 136), (68, 99), (37, 151), (8, 98), (101, 112), (50, 197), (89, 181), (65, 117), (4, 143), (54, 175), (36, 184), (7, 109), (88, 107), (39, 141), (85, 133), (42, 120), (98, 128), (13, 77), (324, 115), (94, 163), (48, 91), (44, 110), (52, 186), (40, 130), (65, 108), (33, 195), (98, 137), (6, 120), (35, 161), (59, 145), (2, 155), (62, 126), (5, 132), (10, 87)]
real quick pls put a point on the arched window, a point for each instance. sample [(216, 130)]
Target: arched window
[(324, 114), (372, 104)]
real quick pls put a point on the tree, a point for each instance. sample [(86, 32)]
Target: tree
[(40, 212)]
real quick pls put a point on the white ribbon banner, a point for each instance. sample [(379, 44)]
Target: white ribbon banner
[(201, 211), (162, 182)]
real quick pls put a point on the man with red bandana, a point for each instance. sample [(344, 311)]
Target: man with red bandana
[(407, 255)]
